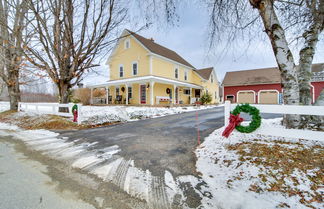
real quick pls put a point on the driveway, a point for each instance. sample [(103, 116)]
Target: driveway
[(158, 144)]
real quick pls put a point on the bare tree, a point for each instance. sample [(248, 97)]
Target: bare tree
[(71, 35), (12, 25), (283, 21)]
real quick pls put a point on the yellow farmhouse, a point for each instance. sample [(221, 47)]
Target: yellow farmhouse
[(144, 72)]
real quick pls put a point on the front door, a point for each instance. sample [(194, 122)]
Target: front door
[(143, 94)]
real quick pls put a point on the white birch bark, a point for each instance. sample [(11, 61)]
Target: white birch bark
[(307, 52), (283, 57)]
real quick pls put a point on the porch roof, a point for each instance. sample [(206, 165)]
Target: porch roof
[(144, 79)]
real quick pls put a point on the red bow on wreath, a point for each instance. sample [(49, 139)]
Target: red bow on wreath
[(234, 120)]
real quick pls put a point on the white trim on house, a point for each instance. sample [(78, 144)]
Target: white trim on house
[(127, 41), (121, 65), (265, 90), (246, 91), (135, 62), (229, 95), (144, 79)]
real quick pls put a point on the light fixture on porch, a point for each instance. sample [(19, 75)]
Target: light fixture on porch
[(148, 86)]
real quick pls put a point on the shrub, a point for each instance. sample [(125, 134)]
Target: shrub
[(206, 98), (82, 95)]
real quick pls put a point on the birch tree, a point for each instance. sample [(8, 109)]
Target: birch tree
[(70, 36), (12, 25), (235, 19)]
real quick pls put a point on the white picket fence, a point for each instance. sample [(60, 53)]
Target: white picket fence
[(283, 109), (50, 108)]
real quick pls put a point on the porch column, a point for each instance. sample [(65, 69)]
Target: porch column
[(91, 96), (190, 102), (107, 94), (174, 94), (152, 92), (126, 93)]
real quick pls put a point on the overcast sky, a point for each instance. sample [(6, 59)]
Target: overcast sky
[(190, 40)]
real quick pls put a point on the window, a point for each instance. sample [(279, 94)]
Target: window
[(117, 91), (186, 91), (129, 92), (215, 94), (176, 73), (186, 75), (127, 44), (211, 78), (135, 68), (121, 71)]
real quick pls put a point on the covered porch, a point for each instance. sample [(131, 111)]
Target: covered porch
[(148, 90)]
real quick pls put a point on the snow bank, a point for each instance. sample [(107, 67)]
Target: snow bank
[(104, 114), (218, 166)]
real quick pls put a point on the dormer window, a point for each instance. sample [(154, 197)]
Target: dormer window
[(211, 79), (127, 43), (121, 71), (135, 68), (176, 73)]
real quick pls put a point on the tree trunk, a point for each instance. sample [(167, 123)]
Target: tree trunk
[(14, 95), (283, 56), (64, 96), (306, 55)]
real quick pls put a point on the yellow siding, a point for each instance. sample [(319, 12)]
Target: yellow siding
[(126, 57), (212, 89), (164, 68)]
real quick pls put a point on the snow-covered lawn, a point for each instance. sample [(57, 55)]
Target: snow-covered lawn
[(103, 114), (93, 115), (253, 171)]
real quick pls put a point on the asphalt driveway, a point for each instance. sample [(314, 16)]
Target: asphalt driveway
[(158, 144)]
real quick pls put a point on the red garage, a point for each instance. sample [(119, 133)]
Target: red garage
[(263, 86)]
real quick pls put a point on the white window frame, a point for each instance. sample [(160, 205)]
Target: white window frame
[(121, 66), (211, 78), (135, 62), (176, 73), (186, 89), (127, 41), (130, 91), (186, 75)]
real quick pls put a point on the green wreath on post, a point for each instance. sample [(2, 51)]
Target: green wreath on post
[(256, 118), (75, 107)]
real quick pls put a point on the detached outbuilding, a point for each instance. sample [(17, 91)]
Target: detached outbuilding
[(263, 86)]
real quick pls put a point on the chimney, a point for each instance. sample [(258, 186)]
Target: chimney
[(152, 39)]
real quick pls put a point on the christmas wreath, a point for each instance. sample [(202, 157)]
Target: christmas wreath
[(235, 120), (75, 107)]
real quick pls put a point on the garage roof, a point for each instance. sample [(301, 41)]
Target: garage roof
[(259, 76)]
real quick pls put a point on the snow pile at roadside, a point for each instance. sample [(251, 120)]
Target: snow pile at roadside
[(106, 163), (105, 114), (4, 106), (232, 180)]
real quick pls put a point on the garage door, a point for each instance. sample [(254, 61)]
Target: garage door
[(268, 97), (245, 97)]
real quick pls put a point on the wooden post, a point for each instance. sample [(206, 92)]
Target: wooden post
[(174, 94), (227, 110), (126, 93), (79, 113), (152, 92), (107, 94)]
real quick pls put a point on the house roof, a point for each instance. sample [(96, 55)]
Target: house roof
[(160, 50), (252, 77), (319, 67), (259, 76), (205, 72)]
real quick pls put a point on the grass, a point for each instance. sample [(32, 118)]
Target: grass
[(279, 162)]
